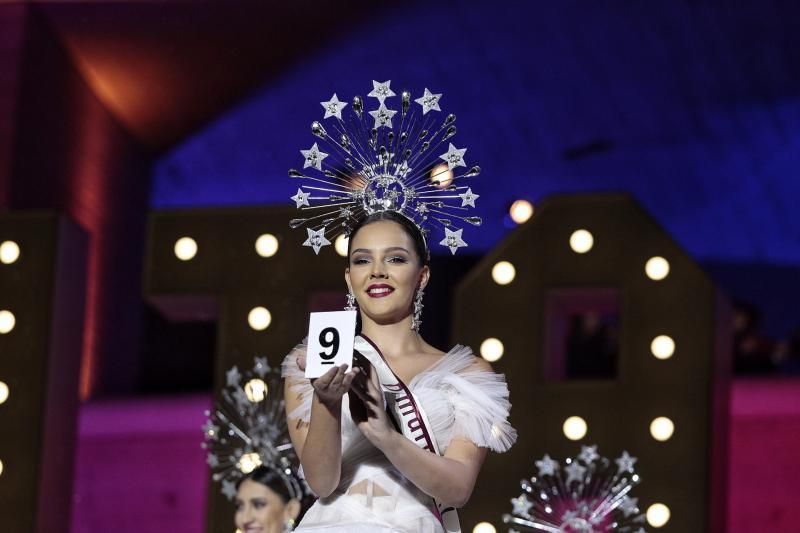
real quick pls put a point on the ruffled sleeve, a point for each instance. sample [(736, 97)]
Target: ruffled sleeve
[(478, 397), (297, 383)]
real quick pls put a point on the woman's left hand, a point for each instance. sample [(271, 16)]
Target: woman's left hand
[(377, 428)]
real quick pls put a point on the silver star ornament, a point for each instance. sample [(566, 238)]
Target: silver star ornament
[(574, 472), (454, 157), (546, 466), (453, 240), (468, 198), (229, 489), (383, 116), (333, 107), (381, 91), (522, 506), (316, 239), (233, 377), (301, 198), (625, 462), (313, 157), (429, 101)]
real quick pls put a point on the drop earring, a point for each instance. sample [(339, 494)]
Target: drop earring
[(416, 319), (351, 301)]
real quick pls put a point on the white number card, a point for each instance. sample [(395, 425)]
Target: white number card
[(330, 341)]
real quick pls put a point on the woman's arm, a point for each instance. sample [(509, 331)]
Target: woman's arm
[(449, 478), (319, 442)]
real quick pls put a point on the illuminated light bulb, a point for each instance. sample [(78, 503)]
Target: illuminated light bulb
[(492, 349), (657, 268), (340, 244), (662, 347), (581, 241), (658, 515), (3, 392), (1, 468), (259, 318), (256, 390), (267, 245), (9, 252), (7, 321), (484, 527), (441, 176), (185, 248), (503, 273), (521, 211), (249, 462), (575, 428), (662, 428)]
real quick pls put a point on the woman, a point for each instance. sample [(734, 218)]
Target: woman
[(369, 476), (264, 503)]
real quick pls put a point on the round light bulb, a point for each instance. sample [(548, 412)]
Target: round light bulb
[(259, 318), (492, 349), (484, 527), (503, 273), (575, 428), (7, 321), (658, 515), (185, 248), (1, 468), (340, 244), (581, 241), (3, 392), (256, 390), (657, 268), (267, 245), (249, 462), (662, 347), (441, 176), (521, 211), (662, 428), (9, 252)]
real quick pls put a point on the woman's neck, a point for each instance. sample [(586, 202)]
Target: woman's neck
[(396, 339)]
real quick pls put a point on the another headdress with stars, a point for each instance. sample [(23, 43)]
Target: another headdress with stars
[(398, 157), (247, 428), (588, 493)]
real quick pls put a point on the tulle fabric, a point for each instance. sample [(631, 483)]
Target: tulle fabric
[(462, 398)]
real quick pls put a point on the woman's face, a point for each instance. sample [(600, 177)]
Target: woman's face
[(259, 509), (384, 271)]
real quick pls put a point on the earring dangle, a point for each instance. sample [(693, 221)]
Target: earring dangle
[(351, 301), (416, 320), (288, 525)]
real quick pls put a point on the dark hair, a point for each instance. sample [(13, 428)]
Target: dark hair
[(271, 479), (410, 228)]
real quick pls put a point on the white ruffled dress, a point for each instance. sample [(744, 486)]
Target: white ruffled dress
[(460, 398)]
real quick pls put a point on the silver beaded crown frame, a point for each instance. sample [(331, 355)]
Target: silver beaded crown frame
[(396, 163), (247, 429)]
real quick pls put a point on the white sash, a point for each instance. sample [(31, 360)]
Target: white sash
[(409, 415)]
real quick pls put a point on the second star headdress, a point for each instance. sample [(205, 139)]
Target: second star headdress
[(397, 157)]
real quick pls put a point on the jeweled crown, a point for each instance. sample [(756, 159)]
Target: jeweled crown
[(364, 168)]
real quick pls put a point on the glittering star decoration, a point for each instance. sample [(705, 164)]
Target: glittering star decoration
[(301, 198), (589, 494), (313, 157), (233, 377), (546, 466), (383, 116), (316, 239), (370, 156), (333, 107), (454, 157), (429, 101), (453, 240), (625, 462), (522, 505), (468, 198), (250, 425), (381, 91)]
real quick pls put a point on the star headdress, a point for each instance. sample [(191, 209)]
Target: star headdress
[(247, 429), (389, 159), (587, 494)]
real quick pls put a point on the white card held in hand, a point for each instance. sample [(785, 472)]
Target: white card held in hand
[(330, 341)]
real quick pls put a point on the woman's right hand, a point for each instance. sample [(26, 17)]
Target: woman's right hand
[(331, 386)]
